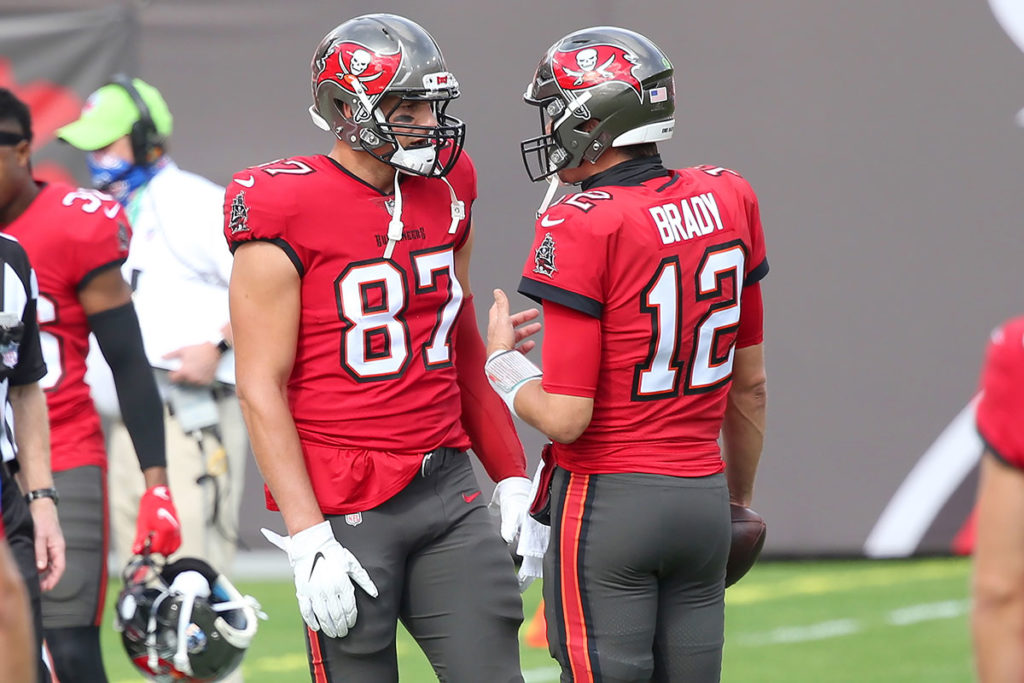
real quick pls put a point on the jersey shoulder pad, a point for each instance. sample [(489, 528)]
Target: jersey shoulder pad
[(275, 173), (594, 211), (719, 176), (258, 203), (94, 219)]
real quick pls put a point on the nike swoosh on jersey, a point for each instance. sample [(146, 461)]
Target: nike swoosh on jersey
[(549, 222), (112, 211), (247, 182), (471, 497)]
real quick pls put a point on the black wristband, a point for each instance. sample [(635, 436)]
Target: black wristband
[(223, 346), (43, 493)]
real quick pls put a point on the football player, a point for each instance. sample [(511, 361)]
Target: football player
[(998, 584), (34, 542), (653, 349), (78, 239), (357, 355)]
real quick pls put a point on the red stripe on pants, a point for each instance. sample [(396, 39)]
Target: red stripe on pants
[(316, 657), (573, 509)]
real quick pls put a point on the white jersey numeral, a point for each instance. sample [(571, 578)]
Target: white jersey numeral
[(367, 323), (430, 268), (707, 369), (46, 312), (660, 373), (659, 376), (91, 201), (287, 166), (376, 339)]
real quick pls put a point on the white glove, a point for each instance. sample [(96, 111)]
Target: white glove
[(324, 572), (512, 498)]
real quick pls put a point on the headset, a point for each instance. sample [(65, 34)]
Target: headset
[(144, 136)]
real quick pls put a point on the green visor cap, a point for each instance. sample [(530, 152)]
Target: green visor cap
[(110, 113)]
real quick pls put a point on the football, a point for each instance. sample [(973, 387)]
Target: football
[(748, 532)]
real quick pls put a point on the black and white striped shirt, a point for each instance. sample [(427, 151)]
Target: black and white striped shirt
[(21, 358)]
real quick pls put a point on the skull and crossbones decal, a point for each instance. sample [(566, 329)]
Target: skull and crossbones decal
[(586, 60)]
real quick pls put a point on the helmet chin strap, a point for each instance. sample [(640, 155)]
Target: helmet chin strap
[(396, 226), (553, 184)]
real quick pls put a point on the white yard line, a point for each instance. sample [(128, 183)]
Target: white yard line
[(801, 634), (835, 628), (930, 611)]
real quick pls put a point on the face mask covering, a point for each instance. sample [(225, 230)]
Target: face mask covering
[(116, 176)]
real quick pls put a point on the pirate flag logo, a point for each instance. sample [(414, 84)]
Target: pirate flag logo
[(584, 68), (360, 70), (544, 257), (239, 214)]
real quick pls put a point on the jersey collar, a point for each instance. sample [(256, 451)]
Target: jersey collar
[(632, 172)]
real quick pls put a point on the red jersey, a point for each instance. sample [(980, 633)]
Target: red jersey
[(1000, 414), (71, 234), (661, 261), (374, 384)]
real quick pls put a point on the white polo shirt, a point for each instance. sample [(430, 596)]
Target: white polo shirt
[(179, 265)]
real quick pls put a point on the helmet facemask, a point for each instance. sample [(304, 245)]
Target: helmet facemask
[(548, 153), (422, 156)]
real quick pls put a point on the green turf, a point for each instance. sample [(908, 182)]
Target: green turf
[(785, 622)]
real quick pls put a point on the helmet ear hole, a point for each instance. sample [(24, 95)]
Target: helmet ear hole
[(344, 109)]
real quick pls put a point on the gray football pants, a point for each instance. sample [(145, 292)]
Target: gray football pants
[(440, 567), (634, 577)]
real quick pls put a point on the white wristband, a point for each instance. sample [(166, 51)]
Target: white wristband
[(508, 371)]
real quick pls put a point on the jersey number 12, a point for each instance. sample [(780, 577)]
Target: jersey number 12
[(660, 374)]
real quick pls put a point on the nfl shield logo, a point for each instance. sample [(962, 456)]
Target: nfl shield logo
[(354, 519)]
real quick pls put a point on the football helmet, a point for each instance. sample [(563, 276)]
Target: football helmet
[(184, 621), (616, 77), (364, 60)]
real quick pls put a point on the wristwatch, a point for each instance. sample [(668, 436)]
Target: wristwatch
[(43, 493), (223, 346)]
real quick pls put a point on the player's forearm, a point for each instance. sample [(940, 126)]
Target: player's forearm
[(997, 624), (743, 438), (560, 417), (485, 417), (28, 404), (278, 453)]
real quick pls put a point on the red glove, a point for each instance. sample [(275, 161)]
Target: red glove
[(158, 524)]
